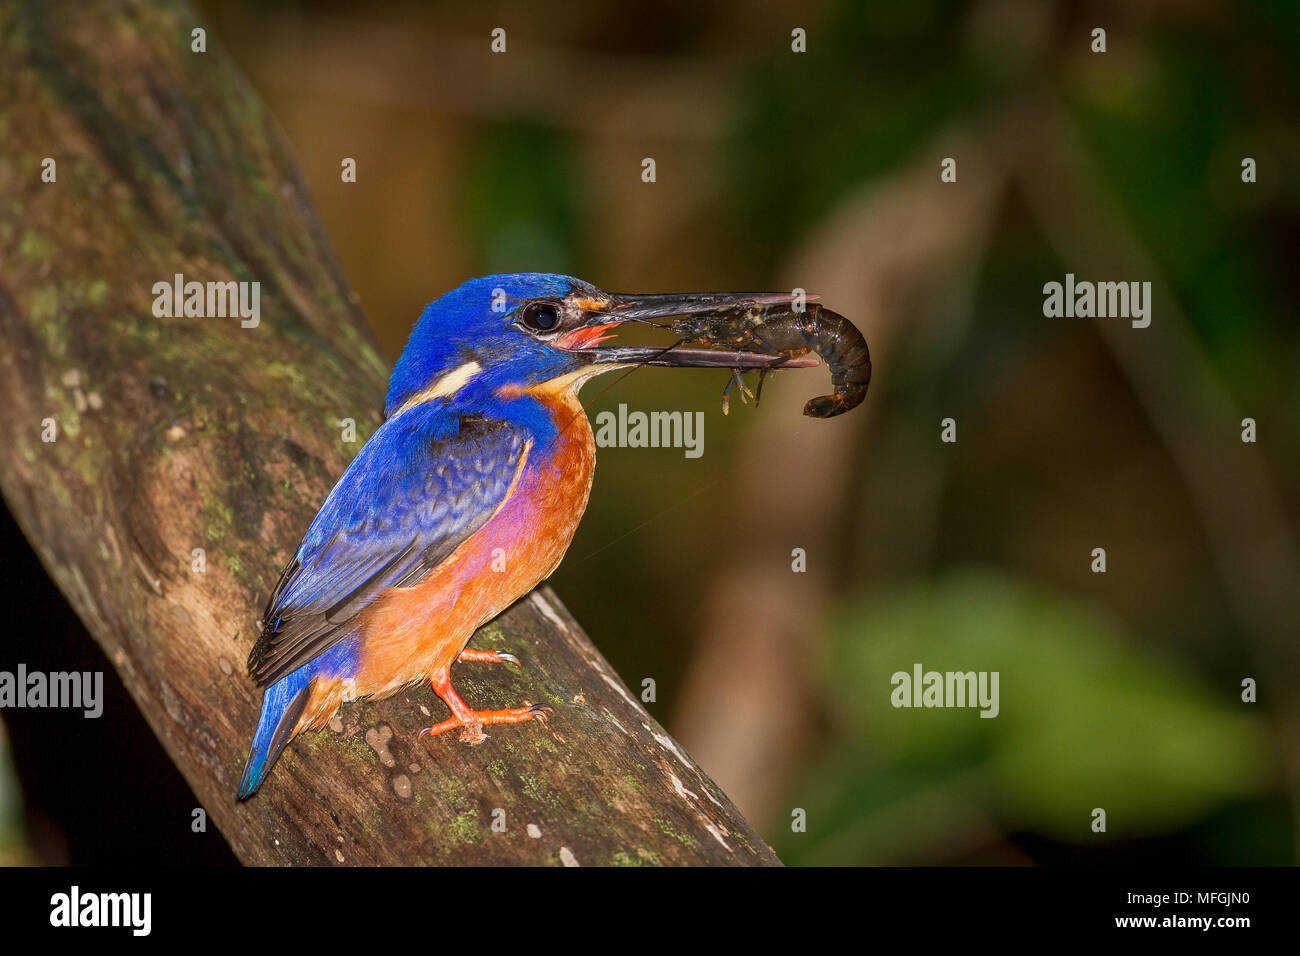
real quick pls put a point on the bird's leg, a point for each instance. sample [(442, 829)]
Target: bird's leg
[(462, 715), (487, 657)]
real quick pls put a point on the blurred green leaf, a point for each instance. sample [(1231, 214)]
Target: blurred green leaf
[(1086, 719)]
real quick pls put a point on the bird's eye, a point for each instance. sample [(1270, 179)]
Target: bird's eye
[(540, 316)]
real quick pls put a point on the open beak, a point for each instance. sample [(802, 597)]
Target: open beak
[(650, 308)]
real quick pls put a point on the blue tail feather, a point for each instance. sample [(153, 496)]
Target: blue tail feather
[(282, 705)]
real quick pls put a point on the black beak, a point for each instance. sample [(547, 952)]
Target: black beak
[(649, 308)]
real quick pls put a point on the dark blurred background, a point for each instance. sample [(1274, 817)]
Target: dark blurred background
[(821, 170)]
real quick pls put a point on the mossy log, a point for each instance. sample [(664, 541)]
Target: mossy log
[(189, 455)]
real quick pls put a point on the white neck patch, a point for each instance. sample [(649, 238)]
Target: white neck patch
[(449, 384)]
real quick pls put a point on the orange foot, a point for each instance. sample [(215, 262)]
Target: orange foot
[(487, 657), (463, 716)]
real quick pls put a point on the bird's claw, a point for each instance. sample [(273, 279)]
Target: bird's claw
[(541, 712)]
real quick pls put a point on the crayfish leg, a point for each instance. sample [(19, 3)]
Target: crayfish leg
[(732, 383), (758, 388)]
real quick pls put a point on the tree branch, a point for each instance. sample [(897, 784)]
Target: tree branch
[(177, 434)]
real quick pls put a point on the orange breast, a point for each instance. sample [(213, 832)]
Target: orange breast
[(411, 633)]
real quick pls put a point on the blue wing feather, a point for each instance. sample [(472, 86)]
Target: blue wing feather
[(424, 483)]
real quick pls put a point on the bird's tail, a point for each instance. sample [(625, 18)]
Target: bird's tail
[(282, 705)]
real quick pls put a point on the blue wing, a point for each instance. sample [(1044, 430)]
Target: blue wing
[(407, 501)]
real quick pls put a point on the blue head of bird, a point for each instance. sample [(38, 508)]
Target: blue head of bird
[(502, 335)]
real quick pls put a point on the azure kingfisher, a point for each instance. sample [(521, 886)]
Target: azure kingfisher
[(484, 450)]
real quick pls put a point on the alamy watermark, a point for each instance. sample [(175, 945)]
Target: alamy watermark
[(133, 911), (651, 430), (922, 688), (208, 300), (78, 690), (1100, 300)]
